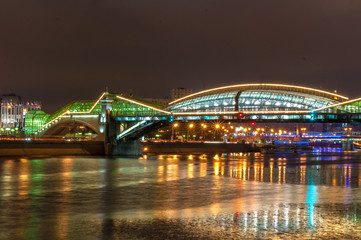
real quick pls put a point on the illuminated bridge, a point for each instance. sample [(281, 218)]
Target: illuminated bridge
[(115, 118)]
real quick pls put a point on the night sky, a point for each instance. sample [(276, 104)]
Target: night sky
[(62, 50)]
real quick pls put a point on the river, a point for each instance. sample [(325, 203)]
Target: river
[(234, 196)]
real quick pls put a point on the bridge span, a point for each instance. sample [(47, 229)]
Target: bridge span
[(120, 121)]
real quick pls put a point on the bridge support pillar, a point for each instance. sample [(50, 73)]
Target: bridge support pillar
[(347, 145), (129, 148)]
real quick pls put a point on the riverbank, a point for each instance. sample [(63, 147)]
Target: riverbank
[(58, 148), (196, 147), (43, 148)]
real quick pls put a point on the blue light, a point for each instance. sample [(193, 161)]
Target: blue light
[(311, 200), (348, 177), (294, 142), (313, 116)]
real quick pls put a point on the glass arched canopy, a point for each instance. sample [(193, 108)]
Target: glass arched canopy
[(253, 98)]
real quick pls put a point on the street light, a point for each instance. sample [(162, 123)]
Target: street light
[(217, 126), (190, 126), (204, 126), (348, 131), (175, 125)]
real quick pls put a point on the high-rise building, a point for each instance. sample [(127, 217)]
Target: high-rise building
[(177, 93), (13, 110)]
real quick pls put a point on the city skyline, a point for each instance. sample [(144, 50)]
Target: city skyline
[(169, 95)]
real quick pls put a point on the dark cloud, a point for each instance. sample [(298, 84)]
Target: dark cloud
[(59, 51)]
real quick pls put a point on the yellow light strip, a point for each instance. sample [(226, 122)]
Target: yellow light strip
[(257, 84), (92, 108), (96, 103), (338, 104), (55, 119), (244, 112), (144, 105), (278, 112), (68, 111)]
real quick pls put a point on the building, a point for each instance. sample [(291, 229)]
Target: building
[(177, 93), (13, 110)]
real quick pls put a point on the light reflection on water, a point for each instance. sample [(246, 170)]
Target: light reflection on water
[(253, 192)]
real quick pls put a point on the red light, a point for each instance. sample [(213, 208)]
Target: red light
[(240, 115), (253, 123)]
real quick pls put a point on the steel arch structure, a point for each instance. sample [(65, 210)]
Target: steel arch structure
[(255, 99)]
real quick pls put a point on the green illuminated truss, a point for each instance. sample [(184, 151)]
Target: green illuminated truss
[(123, 108), (34, 121), (127, 107), (353, 106)]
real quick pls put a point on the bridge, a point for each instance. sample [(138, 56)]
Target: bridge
[(120, 121)]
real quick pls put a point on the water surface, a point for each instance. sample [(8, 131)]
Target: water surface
[(307, 195)]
